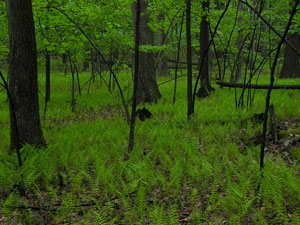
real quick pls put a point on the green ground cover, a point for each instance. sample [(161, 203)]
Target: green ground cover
[(203, 171)]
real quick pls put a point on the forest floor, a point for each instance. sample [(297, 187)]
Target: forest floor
[(202, 171)]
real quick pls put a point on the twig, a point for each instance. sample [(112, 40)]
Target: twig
[(270, 26)]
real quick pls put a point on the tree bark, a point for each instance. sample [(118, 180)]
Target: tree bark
[(240, 41), (189, 60), (85, 65), (291, 66), (147, 85), (65, 62), (48, 72), (23, 85), (136, 75), (205, 88)]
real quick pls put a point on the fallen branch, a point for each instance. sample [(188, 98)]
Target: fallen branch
[(257, 86)]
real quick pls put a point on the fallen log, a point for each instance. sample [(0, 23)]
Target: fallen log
[(257, 86)]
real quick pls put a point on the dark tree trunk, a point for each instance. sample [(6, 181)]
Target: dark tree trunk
[(93, 69), (291, 66), (163, 68), (65, 62), (85, 66), (240, 41), (23, 84), (205, 88), (239, 63), (253, 42), (178, 57), (189, 60), (73, 100), (147, 84), (48, 71), (136, 74)]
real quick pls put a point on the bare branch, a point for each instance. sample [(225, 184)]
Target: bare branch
[(270, 26)]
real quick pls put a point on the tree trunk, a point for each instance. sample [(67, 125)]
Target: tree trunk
[(291, 66), (65, 62), (147, 84), (23, 86), (136, 74), (85, 65), (178, 57), (189, 60), (240, 40), (239, 63), (48, 71), (205, 88)]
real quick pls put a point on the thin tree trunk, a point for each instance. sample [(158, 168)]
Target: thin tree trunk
[(73, 98), (65, 62), (178, 58), (189, 60), (13, 113), (92, 71), (48, 72), (137, 7), (240, 45), (77, 77)]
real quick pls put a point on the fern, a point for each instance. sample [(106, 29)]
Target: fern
[(158, 216)]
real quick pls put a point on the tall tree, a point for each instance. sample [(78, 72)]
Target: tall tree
[(136, 74), (48, 73), (23, 86), (189, 60), (239, 42), (147, 84), (205, 88)]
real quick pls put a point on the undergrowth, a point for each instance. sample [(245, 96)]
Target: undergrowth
[(180, 172)]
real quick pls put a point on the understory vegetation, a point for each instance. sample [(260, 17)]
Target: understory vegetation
[(202, 171)]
